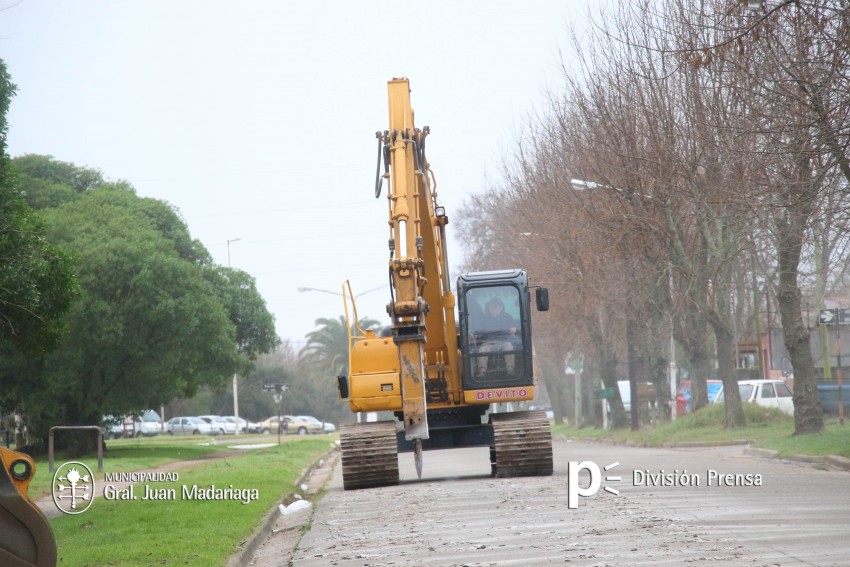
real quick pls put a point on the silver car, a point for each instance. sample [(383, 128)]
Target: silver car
[(188, 426), (220, 425), (244, 425)]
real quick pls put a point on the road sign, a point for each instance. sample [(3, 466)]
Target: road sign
[(828, 316), (834, 316), (275, 388), (606, 393)]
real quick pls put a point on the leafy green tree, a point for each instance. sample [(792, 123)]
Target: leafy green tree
[(149, 327), (47, 182), (237, 290), (156, 320), (37, 284)]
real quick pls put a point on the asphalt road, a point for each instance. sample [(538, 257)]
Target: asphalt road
[(457, 515)]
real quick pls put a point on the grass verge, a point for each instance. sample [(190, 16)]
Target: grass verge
[(122, 455), (767, 428), (180, 530)]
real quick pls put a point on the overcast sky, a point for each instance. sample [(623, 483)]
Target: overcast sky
[(256, 119)]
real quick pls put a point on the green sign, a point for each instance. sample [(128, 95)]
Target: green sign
[(606, 393)]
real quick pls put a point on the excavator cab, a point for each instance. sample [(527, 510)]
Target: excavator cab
[(494, 309)]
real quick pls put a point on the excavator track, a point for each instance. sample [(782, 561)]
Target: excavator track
[(369, 455), (522, 444)]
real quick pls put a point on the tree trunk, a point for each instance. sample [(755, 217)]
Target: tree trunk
[(726, 367), (553, 378), (808, 413), (693, 336), (721, 318)]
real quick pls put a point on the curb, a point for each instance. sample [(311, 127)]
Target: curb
[(836, 461), (698, 444), (249, 547)]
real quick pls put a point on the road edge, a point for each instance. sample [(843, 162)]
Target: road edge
[(249, 547), (836, 461)]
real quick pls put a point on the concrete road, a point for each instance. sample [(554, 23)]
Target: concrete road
[(457, 515)]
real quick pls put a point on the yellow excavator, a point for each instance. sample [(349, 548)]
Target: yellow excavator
[(438, 370)]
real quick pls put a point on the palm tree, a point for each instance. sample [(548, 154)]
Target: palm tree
[(328, 344)]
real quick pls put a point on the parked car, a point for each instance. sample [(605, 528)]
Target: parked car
[(828, 392), (767, 393), (303, 425), (295, 424), (646, 394), (683, 395), (220, 425), (188, 426), (324, 426), (150, 423), (245, 426), (115, 428), (270, 425)]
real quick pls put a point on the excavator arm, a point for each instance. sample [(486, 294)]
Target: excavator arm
[(404, 144), (422, 306)]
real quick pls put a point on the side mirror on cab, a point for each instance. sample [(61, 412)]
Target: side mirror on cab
[(542, 297)]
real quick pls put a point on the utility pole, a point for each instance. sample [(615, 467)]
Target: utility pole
[(235, 375)]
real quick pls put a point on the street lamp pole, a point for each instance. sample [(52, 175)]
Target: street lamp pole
[(235, 375), (673, 385), (306, 289)]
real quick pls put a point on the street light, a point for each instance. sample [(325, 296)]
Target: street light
[(581, 184), (235, 375), (767, 6), (306, 289), (228, 249)]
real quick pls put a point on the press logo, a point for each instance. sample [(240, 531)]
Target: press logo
[(574, 490), (73, 487)]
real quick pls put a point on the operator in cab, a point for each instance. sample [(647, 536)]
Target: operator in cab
[(493, 330)]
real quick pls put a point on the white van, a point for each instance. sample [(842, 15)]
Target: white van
[(150, 423)]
